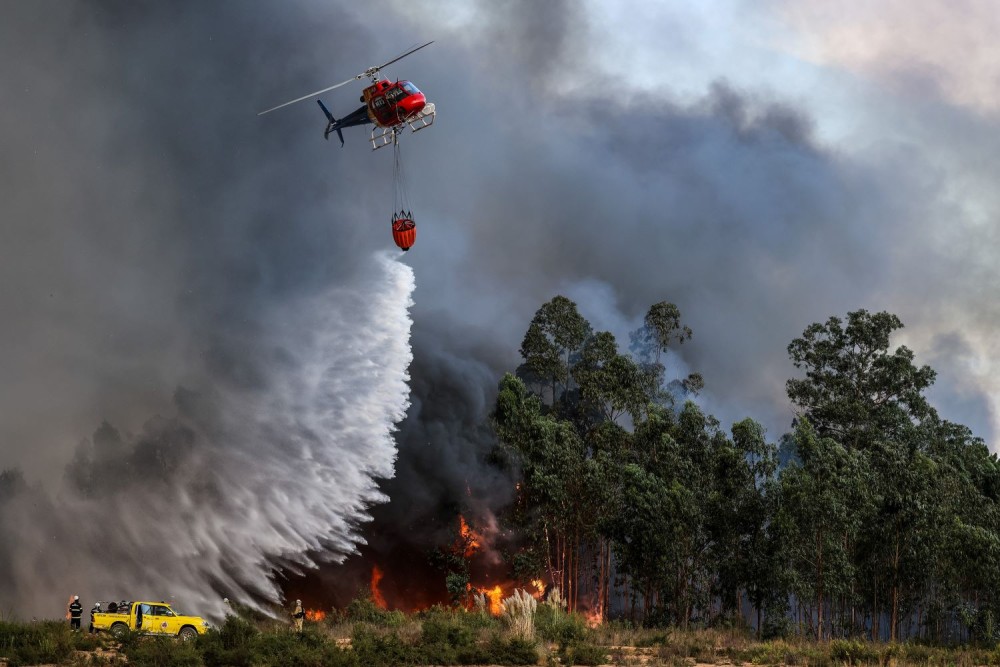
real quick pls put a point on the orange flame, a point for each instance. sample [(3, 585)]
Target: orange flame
[(376, 593), (472, 539), (495, 596), (67, 606), (316, 615), (539, 587), (594, 617)]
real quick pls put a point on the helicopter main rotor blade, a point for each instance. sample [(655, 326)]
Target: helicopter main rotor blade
[(403, 56), (306, 97)]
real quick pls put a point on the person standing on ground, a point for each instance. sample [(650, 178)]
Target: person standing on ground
[(75, 612), (299, 615), (96, 609)]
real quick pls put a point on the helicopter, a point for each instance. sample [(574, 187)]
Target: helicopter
[(388, 105)]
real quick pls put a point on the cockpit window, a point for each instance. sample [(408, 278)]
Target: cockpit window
[(410, 88)]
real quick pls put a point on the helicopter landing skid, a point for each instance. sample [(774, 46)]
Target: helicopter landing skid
[(384, 136), (423, 118)]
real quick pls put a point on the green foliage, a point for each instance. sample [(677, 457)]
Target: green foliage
[(583, 654), (35, 643), (556, 625), (854, 652), (447, 638), (513, 651), (441, 627), (232, 644), (307, 649), (162, 652), (555, 334), (457, 584), (363, 609), (84, 641)]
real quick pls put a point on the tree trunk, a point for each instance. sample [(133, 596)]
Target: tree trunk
[(819, 586), (894, 620)]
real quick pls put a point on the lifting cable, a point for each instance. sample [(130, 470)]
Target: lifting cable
[(401, 202)]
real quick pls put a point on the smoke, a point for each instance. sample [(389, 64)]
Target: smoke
[(244, 477)]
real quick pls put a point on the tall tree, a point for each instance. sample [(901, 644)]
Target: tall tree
[(555, 334), (819, 494), (856, 390)]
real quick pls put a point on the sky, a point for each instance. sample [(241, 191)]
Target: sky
[(221, 289)]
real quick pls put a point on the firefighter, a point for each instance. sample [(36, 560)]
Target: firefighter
[(96, 609), (75, 612), (299, 615)]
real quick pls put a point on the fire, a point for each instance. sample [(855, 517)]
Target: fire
[(67, 606), (495, 596), (594, 617), (471, 539), (315, 615), (539, 587), (376, 593)]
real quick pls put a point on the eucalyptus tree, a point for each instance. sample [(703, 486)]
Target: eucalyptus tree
[(556, 333), (817, 516), (660, 329), (871, 399), (855, 390)]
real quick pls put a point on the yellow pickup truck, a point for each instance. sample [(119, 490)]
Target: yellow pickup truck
[(154, 618)]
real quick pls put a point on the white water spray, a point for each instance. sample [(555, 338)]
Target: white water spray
[(283, 471)]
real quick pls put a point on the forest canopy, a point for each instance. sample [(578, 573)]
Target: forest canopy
[(871, 517)]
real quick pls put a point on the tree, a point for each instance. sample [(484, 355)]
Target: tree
[(855, 390), (611, 384), (816, 515), (556, 332), (661, 327)]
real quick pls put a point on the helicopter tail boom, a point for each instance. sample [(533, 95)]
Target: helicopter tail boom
[(357, 117), (332, 125)]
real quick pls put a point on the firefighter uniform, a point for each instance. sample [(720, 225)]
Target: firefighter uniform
[(299, 615), (75, 612)]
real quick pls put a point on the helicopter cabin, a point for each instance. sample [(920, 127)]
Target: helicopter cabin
[(391, 103)]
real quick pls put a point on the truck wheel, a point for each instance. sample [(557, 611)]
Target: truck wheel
[(187, 633), (119, 630)]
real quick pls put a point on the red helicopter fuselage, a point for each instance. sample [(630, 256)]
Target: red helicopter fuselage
[(390, 104)]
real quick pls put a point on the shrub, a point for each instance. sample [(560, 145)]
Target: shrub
[(513, 651), (584, 654), (35, 643), (371, 647), (447, 629), (84, 641), (853, 652), (556, 625), (654, 639), (162, 652), (291, 649)]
